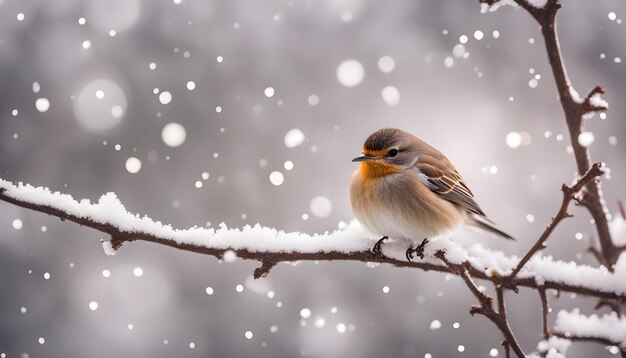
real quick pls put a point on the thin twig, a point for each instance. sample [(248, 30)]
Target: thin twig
[(507, 349), (588, 106), (569, 194), (485, 307), (545, 310)]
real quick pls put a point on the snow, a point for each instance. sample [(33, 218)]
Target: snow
[(435, 325), (165, 97), (538, 3), (574, 94), (586, 138), (277, 178), (350, 237), (513, 139), (294, 138), (108, 248), (42, 104), (391, 95), (484, 8), (597, 101), (133, 165), (608, 326), (321, 206), (617, 226), (313, 100), (554, 347), (386, 64), (173, 134), (350, 73)]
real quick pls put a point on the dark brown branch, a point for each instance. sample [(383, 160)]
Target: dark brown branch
[(485, 307), (264, 270), (507, 349), (545, 310), (119, 237), (569, 194), (620, 205)]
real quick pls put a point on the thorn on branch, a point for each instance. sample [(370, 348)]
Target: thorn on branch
[(507, 348), (596, 170), (594, 102), (264, 270)]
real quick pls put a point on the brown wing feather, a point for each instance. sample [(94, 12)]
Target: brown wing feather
[(446, 181)]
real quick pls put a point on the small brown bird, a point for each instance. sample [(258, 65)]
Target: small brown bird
[(406, 189)]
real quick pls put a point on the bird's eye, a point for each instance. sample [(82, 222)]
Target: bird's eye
[(392, 153)]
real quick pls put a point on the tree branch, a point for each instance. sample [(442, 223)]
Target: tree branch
[(486, 304), (574, 110), (569, 194), (545, 310), (269, 259)]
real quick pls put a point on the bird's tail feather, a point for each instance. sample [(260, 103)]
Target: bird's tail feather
[(488, 226)]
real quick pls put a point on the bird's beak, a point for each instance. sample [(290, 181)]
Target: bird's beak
[(363, 158)]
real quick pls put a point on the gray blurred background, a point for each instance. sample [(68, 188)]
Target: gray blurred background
[(55, 131)]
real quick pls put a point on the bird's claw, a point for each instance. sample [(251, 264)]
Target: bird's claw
[(376, 249), (419, 250)]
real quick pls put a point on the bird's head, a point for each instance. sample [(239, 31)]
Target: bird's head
[(388, 151)]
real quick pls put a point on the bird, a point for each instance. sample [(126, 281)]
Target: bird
[(407, 190)]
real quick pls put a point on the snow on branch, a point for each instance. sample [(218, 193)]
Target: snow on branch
[(271, 246), (608, 329)]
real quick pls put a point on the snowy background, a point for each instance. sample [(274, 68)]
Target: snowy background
[(88, 92)]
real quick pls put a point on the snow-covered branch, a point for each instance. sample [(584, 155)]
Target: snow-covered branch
[(350, 242)]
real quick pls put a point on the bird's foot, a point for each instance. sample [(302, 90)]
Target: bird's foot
[(419, 250), (376, 249)]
